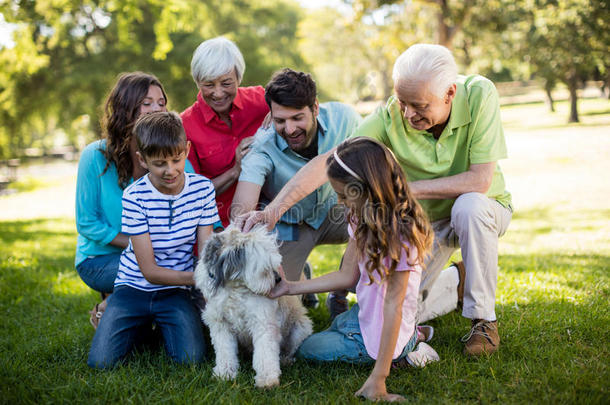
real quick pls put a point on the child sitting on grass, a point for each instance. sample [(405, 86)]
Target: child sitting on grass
[(389, 238), (164, 213)]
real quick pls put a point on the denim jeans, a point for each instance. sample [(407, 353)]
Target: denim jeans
[(129, 315), (343, 342), (99, 272)]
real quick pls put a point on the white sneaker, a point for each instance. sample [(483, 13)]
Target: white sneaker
[(422, 355)]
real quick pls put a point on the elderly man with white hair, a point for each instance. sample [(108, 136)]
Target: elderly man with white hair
[(446, 133), (223, 120)]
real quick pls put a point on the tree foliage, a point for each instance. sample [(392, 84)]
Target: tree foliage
[(567, 41), (68, 54)]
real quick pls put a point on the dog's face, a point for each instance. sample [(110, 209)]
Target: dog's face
[(251, 259)]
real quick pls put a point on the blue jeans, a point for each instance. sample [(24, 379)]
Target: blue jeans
[(129, 315), (343, 342), (99, 272)]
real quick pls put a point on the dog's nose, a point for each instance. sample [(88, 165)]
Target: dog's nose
[(277, 276)]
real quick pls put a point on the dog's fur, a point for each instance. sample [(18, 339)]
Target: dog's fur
[(235, 273)]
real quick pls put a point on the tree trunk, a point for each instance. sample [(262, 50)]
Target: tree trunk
[(548, 88), (444, 31), (573, 86)]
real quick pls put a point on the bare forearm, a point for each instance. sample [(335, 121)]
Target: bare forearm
[(477, 179), (389, 336), (329, 282), (161, 276), (392, 318), (226, 180), (305, 181), (245, 199), (121, 240)]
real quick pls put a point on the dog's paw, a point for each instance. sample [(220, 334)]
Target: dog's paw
[(266, 381), (225, 373)]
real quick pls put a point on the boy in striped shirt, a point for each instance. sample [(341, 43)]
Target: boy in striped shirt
[(165, 212)]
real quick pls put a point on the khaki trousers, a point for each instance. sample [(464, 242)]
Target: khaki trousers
[(475, 225)]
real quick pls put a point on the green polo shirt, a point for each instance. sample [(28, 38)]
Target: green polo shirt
[(473, 135)]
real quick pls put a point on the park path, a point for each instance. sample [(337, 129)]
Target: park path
[(564, 166), (51, 201)]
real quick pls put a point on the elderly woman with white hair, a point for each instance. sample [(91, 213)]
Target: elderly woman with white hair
[(221, 123)]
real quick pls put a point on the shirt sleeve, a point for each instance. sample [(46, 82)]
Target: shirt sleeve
[(488, 143), (209, 214), (373, 126), (133, 219), (256, 165), (90, 220), (352, 121), (188, 167), (193, 159), (403, 263)]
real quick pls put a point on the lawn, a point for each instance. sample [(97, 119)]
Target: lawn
[(552, 301)]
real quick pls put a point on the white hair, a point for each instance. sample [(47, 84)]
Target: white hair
[(216, 57), (427, 63)]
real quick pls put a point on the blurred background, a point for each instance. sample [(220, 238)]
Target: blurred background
[(59, 58), (550, 60)]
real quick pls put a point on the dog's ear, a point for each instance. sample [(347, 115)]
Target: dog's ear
[(213, 260), (234, 261)]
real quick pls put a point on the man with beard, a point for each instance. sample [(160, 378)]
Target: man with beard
[(302, 129)]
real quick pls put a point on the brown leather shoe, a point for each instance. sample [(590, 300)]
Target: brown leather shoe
[(483, 338), (460, 287)]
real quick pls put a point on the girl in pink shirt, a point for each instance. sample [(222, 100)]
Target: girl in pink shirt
[(389, 237)]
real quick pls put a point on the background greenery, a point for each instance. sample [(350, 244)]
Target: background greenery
[(62, 56)]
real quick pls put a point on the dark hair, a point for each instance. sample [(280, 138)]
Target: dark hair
[(386, 213), (121, 110), (291, 89), (160, 134)]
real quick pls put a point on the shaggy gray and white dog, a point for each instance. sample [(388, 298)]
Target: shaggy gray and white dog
[(235, 273)]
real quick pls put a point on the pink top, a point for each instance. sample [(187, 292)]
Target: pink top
[(371, 299)]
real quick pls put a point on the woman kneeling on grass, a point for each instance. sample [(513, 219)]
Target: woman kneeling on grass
[(389, 237), (105, 168)]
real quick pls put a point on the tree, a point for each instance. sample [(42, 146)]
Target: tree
[(69, 52), (566, 40)]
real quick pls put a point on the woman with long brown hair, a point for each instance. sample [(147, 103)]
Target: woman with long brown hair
[(105, 168)]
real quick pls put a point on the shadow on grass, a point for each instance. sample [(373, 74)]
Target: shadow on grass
[(35, 229)]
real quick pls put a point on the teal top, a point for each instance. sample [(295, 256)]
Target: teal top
[(98, 203), (271, 164)]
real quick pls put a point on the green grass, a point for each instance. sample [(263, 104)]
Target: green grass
[(553, 310)]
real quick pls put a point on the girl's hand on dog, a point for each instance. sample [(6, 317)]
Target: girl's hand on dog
[(281, 288)]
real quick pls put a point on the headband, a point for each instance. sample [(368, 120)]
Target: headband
[(346, 167)]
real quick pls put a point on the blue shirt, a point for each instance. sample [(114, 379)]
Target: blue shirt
[(271, 164), (170, 220), (98, 203)]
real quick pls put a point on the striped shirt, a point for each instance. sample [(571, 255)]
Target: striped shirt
[(171, 221)]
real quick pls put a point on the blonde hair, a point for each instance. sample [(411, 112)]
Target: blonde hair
[(386, 217)]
